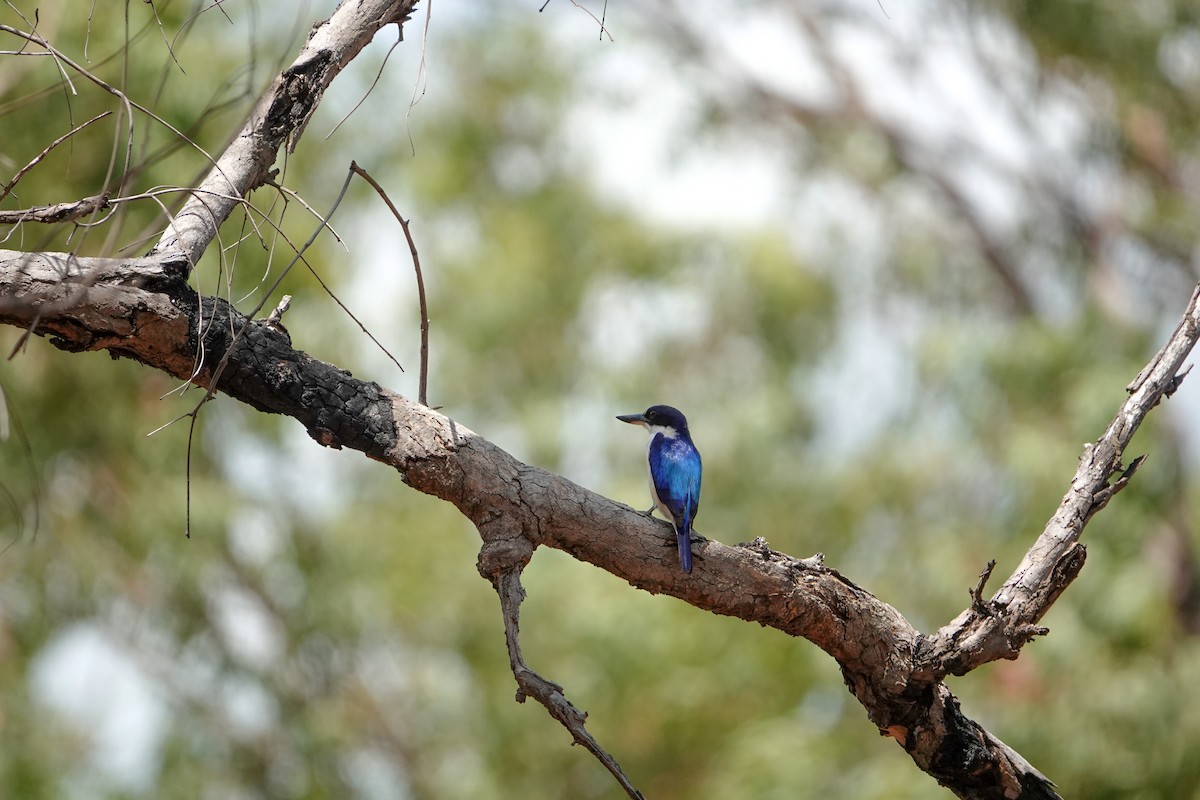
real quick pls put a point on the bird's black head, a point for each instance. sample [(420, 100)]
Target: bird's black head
[(658, 417)]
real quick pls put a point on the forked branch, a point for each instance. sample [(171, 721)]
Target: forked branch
[(280, 117), (145, 309), (999, 628), (547, 692)]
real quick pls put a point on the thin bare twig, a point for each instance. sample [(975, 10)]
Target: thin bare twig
[(8, 187), (371, 88), (194, 414), (163, 31), (321, 281), (211, 389), (421, 81), (600, 20), (423, 380)]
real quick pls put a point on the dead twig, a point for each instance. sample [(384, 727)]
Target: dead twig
[(547, 692), (423, 380), (59, 212), (6, 190), (977, 602)]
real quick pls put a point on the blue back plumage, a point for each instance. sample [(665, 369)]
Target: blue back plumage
[(675, 471)]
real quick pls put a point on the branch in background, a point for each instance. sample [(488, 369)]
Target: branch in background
[(280, 116), (848, 106), (59, 212)]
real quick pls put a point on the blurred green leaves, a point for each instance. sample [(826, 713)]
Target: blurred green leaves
[(325, 634)]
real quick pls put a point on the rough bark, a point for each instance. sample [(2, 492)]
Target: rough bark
[(144, 309), (280, 116)]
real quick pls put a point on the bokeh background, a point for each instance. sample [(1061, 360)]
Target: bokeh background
[(896, 261)]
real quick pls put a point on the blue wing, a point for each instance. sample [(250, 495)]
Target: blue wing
[(675, 469)]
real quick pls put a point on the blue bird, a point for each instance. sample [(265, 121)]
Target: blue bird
[(674, 472)]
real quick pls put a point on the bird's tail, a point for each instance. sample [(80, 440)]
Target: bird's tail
[(683, 539)]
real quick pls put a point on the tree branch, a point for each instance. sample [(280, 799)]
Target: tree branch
[(58, 212), (144, 309), (1001, 627), (422, 305), (504, 555), (280, 116)]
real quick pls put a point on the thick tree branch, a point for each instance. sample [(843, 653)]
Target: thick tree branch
[(144, 309), (280, 116)]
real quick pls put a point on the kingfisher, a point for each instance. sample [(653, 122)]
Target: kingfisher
[(674, 472)]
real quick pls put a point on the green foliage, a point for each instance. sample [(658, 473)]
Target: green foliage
[(324, 632)]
